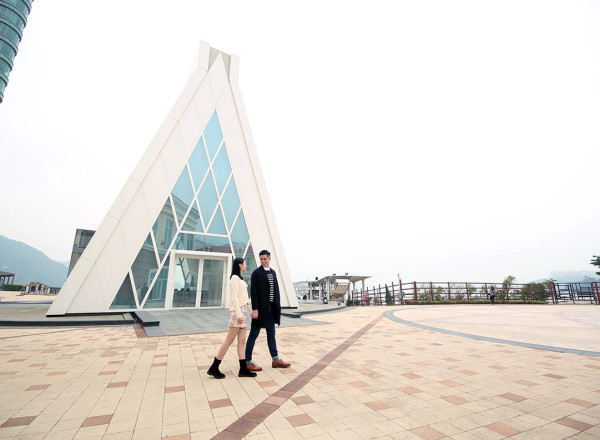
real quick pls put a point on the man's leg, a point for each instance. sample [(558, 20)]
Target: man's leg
[(271, 342), (254, 331)]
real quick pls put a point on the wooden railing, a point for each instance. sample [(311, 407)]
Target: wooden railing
[(448, 292)]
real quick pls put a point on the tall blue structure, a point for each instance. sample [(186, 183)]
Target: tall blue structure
[(13, 18)]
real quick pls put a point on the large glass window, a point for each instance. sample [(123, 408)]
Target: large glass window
[(124, 298), (144, 267), (198, 163), (230, 203), (156, 297), (217, 226), (183, 194), (239, 235), (213, 135), (207, 197), (221, 169)]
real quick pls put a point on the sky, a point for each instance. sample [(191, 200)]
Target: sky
[(431, 140)]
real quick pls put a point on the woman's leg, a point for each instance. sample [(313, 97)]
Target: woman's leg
[(241, 343), (228, 340)]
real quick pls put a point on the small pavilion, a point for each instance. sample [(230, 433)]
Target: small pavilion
[(336, 286), (6, 276)]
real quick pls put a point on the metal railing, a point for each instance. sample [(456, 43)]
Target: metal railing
[(471, 292)]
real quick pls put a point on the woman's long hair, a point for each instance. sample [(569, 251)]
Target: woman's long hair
[(236, 270)]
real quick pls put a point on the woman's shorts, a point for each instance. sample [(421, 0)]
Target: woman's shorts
[(233, 322)]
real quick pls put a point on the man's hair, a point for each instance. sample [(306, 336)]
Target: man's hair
[(264, 252)]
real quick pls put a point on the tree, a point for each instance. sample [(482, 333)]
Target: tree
[(508, 281), (596, 262)]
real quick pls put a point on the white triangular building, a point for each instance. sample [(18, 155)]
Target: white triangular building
[(196, 200)]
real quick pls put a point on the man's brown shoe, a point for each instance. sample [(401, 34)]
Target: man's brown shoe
[(280, 364), (254, 367)]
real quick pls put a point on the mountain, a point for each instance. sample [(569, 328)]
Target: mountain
[(574, 276), (28, 264)]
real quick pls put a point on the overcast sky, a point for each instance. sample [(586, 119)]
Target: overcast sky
[(438, 140)]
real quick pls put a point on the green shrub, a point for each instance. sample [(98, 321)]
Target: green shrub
[(13, 287), (389, 301)]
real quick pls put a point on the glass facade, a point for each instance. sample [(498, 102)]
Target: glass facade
[(203, 213), (82, 238), (13, 18)]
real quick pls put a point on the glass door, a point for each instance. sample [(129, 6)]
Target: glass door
[(198, 280), (213, 272), (185, 289)]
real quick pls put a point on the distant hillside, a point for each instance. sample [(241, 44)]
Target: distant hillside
[(28, 264), (574, 276)]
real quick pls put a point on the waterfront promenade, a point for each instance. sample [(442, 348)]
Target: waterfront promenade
[(405, 372)]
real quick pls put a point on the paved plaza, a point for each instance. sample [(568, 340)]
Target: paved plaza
[(405, 372)]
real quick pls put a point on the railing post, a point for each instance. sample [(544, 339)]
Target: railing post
[(431, 290), (449, 292), (401, 292), (415, 291)]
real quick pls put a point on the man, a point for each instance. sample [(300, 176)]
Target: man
[(266, 311)]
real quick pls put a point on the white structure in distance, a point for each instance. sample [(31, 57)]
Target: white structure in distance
[(196, 200)]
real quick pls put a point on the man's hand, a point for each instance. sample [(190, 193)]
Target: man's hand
[(254, 314), (240, 320)]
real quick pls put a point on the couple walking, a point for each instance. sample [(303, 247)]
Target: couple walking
[(266, 312)]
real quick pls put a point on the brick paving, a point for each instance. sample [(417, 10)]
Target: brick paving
[(356, 375)]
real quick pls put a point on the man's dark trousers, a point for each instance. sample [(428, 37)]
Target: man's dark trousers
[(254, 332)]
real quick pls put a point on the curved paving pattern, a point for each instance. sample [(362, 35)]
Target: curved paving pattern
[(391, 315), (354, 376)]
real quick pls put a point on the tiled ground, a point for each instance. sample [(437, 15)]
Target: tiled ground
[(358, 376)]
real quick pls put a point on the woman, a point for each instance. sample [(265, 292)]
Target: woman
[(238, 306)]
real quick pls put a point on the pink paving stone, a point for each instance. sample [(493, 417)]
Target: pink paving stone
[(580, 402), (176, 389), (366, 371), (37, 387), (117, 384), (302, 400), (160, 364), (358, 384), (97, 420), (187, 436), (450, 360), (300, 419), (468, 372), (377, 405), (18, 421), (527, 383), (513, 397), (555, 376), (16, 360), (267, 383), (411, 376), (372, 361), (427, 433), (7, 373), (455, 400), (503, 429), (38, 365), (107, 373), (497, 367), (410, 390), (449, 383), (597, 367), (575, 424), (220, 403), (57, 373), (275, 400)]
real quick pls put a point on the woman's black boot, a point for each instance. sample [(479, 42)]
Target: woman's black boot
[(244, 372), (214, 370)]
